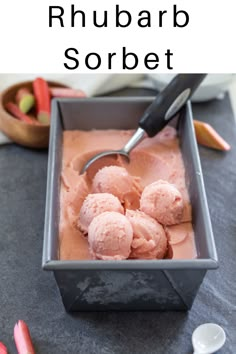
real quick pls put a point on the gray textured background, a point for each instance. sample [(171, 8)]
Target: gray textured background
[(26, 292)]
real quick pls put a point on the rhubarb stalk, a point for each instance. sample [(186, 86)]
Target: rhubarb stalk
[(16, 112), (23, 339), (25, 100), (207, 136), (66, 92), (43, 100), (3, 349)]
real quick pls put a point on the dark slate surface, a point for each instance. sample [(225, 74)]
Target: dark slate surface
[(26, 292)]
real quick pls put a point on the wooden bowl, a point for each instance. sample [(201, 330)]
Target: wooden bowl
[(33, 136)]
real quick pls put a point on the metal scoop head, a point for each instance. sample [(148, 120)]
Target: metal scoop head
[(134, 140)]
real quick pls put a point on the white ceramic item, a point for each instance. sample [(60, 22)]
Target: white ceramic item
[(213, 86), (208, 338)]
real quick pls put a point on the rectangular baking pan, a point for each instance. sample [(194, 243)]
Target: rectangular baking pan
[(131, 284)]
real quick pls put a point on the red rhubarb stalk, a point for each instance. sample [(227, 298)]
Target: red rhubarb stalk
[(3, 349), (43, 100), (23, 339), (16, 112), (25, 100), (66, 92), (207, 136)]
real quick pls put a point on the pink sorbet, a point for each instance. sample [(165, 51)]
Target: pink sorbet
[(162, 201), (181, 241), (110, 235), (149, 239), (117, 181), (95, 204)]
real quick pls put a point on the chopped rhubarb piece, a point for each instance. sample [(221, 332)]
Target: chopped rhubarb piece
[(43, 99), (43, 118), (16, 112), (66, 92), (3, 349), (207, 136), (25, 100), (23, 339)]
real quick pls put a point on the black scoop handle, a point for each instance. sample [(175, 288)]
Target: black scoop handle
[(169, 101)]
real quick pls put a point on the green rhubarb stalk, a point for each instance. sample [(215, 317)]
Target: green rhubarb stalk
[(25, 100)]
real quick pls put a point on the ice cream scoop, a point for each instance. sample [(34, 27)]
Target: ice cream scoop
[(158, 114), (149, 239), (95, 204), (117, 181), (110, 235), (162, 201)]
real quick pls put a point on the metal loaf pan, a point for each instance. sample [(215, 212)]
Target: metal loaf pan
[(131, 284)]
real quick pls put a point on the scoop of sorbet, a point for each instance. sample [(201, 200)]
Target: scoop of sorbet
[(95, 204), (110, 235), (162, 201), (117, 181), (149, 239)]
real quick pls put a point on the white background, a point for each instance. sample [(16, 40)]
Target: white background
[(207, 44)]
